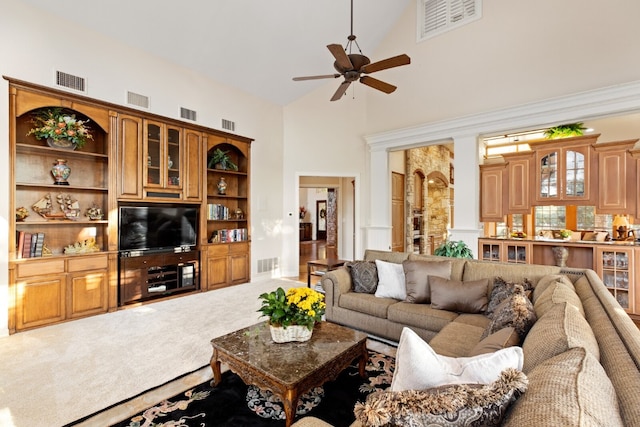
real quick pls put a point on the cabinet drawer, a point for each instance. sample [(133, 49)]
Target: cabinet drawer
[(39, 268), (88, 263), (239, 248)]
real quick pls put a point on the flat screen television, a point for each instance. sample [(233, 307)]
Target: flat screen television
[(157, 228)]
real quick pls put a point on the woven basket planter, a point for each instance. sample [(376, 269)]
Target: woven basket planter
[(291, 333)]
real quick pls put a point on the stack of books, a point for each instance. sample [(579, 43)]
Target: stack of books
[(217, 212), (29, 244), (229, 236)]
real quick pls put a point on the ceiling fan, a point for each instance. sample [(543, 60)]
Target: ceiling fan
[(352, 65)]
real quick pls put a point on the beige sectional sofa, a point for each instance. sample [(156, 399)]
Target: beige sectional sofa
[(581, 357)]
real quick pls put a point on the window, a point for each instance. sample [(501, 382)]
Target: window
[(587, 219), (549, 218), (438, 16)]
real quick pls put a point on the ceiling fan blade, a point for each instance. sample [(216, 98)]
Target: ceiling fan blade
[(341, 56), (341, 90), (395, 61), (377, 84), (325, 76)]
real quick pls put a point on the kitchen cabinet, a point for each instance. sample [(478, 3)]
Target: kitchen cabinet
[(492, 196), (510, 251), (616, 178), (615, 266), (519, 183)]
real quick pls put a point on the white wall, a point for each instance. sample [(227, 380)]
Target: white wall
[(31, 52)]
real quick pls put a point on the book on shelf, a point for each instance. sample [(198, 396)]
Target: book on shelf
[(217, 211), (229, 235), (19, 244), (26, 247), (39, 244)]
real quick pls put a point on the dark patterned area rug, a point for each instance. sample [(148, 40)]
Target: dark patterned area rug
[(235, 404)]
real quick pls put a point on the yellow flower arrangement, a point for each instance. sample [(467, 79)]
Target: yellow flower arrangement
[(297, 306)]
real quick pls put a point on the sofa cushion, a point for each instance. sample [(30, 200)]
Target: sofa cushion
[(390, 280), (420, 315), (502, 290), (558, 292), (475, 269), (457, 264), (547, 281), (463, 297), (364, 276), (505, 337), (570, 389), (560, 329), (456, 339), (515, 311), (416, 275), (419, 367), (457, 405), (366, 303)]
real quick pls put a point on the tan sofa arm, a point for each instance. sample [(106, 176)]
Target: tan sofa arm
[(335, 283)]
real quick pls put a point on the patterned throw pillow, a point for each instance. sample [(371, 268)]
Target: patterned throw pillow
[(364, 276), (503, 290), (515, 311), (451, 405)]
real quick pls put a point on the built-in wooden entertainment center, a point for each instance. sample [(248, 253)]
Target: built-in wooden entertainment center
[(135, 159)]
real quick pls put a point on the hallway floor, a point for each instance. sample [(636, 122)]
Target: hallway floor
[(310, 250)]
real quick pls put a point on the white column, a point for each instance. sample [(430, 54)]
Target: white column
[(378, 230), (466, 208)]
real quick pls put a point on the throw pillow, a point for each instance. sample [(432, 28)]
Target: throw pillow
[(505, 337), (463, 297), (503, 290), (570, 389), (418, 367), (364, 276), (457, 405), (390, 280), (416, 275), (516, 311)]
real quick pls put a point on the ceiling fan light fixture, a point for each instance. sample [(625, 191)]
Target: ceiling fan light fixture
[(351, 66)]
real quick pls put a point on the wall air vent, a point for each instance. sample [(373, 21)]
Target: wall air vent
[(438, 16), (70, 81), (185, 113), (228, 125), (137, 99)]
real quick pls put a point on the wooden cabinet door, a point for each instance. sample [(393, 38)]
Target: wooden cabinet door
[(216, 272), (87, 293), (518, 173), (616, 178), (491, 192), (40, 301), (193, 165), (129, 164), (239, 268)]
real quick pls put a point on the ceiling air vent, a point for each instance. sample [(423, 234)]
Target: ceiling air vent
[(70, 81), (228, 125), (185, 113), (137, 99)]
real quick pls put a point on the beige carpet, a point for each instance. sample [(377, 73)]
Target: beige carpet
[(58, 374)]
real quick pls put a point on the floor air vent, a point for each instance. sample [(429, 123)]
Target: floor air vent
[(228, 125), (137, 99), (185, 113), (70, 81)]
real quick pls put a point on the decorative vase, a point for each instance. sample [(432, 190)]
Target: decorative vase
[(64, 144), (60, 172), (280, 334), (560, 253), (222, 186), (170, 162)]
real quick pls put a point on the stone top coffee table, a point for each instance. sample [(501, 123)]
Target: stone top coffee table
[(288, 369)]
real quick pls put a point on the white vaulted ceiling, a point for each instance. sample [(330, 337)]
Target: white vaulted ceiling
[(255, 46)]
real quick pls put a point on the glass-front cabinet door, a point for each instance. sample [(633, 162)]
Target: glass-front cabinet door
[(162, 149), (574, 173), (548, 175), (615, 267)]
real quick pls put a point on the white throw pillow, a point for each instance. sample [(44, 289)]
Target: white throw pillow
[(390, 280), (418, 367)]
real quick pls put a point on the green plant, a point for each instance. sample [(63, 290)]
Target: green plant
[(454, 249), (566, 233), (58, 124), (297, 306), (565, 131), (222, 158)]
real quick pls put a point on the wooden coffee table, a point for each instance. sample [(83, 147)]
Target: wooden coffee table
[(288, 369)]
